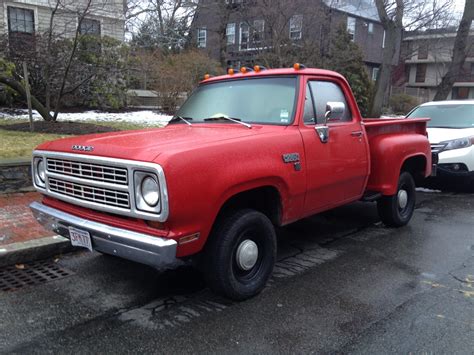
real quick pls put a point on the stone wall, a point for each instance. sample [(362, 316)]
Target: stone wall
[(15, 175)]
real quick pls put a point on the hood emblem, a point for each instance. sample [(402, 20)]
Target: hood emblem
[(83, 148)]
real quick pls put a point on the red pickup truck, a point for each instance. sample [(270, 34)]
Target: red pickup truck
[(247, 152)]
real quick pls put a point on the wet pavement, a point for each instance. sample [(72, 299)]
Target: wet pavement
[(344, 283)]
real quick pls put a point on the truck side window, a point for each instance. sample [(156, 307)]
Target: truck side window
[(309, 116), (325, 91)]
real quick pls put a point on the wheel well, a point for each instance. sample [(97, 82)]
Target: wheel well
[(416, 166), (265, 199)]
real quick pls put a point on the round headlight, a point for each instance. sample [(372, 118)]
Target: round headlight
[(150, 191), (41, 170)]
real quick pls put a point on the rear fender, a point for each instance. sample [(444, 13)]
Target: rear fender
[(389, 153)]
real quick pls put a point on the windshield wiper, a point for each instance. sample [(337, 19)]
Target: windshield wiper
[(185, 119), (235, 120)]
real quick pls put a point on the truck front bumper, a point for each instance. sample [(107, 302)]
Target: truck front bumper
[(142, 248)]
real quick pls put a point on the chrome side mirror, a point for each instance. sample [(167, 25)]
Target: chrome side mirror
[(334, 110)]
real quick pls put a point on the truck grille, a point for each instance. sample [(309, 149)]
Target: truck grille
[(88, 171), (90, 193), (437, 148)]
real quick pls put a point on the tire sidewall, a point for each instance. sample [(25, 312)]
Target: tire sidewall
[(246, 224), (406, 183)]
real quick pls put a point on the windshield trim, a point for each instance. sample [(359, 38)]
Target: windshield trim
[(295, 102)]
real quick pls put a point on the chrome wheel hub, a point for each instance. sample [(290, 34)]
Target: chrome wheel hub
[(247, 254), (402, 199)]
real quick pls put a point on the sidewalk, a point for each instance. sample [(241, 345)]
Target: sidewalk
[(22, 239)]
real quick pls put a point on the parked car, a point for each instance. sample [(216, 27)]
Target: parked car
[(451, 134), (247, 152)]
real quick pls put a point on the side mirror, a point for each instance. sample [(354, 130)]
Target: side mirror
[(334, 110)]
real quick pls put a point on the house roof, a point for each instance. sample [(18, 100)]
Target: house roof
[(361, 8)]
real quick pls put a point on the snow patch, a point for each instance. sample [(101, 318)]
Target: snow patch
[(149, 118), (423, 189)]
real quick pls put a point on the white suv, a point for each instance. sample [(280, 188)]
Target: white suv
[(451, 134)]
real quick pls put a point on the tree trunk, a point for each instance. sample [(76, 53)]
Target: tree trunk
[(393, 33), (15, 85), (459, 53)]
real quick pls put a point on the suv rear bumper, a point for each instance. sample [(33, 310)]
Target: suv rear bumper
[(142, 248)]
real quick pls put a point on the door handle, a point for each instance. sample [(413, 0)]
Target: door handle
[(357, 134)]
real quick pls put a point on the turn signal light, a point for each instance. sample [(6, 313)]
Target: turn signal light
[(230, 71), (188, 238), (207, 76)]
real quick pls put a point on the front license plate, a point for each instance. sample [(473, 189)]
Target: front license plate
[(80, 238)]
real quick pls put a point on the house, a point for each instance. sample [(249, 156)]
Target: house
[(426, 57), (22, 20), (235, 32)]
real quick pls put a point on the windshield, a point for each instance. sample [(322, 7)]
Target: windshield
[(259, 100), (446, 116)]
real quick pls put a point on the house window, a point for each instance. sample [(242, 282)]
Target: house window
[(420, 73), (460, 93), (422, 51), (21, 30), (230, 33), (370, 27), (244, 36), (383, 39), (89, 27), (351, 26), (201, 37), (472, 68), (296, 27), (258, 30), (21, 20), (375, 73)]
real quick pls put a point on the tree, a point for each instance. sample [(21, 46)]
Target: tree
[(395, 16), (162, 24), (459, 53), (346, 58)]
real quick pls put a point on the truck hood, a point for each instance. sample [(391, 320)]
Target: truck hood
[(436, 135), (146, 145)]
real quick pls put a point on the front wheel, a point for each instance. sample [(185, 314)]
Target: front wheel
[(241, 253), (397, 210)]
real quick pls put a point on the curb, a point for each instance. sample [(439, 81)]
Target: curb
[(32, 250)]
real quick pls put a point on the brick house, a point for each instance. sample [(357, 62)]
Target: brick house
[(237, 36), (425, 58), (20, 19)]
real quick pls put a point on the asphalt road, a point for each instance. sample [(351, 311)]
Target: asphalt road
[(344, 283)]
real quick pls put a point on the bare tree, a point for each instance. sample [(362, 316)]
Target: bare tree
[(395, 16), (460, 51)]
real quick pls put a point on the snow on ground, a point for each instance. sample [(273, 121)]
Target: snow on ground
[(423, 189), (150, 118)]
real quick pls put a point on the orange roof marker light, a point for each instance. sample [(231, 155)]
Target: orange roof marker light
[(230, 71), (298, 66), (207, 76), (259, 68), (244, 70)]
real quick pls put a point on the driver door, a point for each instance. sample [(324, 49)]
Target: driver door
[(337, 169)]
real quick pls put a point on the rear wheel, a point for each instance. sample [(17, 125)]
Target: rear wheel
[(239, 259), (397, 210)]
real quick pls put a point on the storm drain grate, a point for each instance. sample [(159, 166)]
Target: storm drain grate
[(16, 276)]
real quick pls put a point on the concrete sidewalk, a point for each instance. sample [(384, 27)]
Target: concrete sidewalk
[(22, 239)]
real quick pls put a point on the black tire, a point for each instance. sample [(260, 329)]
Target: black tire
[(390, 211), (219, 260)]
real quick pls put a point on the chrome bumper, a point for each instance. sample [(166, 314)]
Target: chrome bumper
[(142, 248)]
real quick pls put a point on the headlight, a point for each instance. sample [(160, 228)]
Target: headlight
[(458, 143), (41, 170), (147, 192), (150, 191)]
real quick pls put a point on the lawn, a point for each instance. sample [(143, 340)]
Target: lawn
[(19, 143)]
